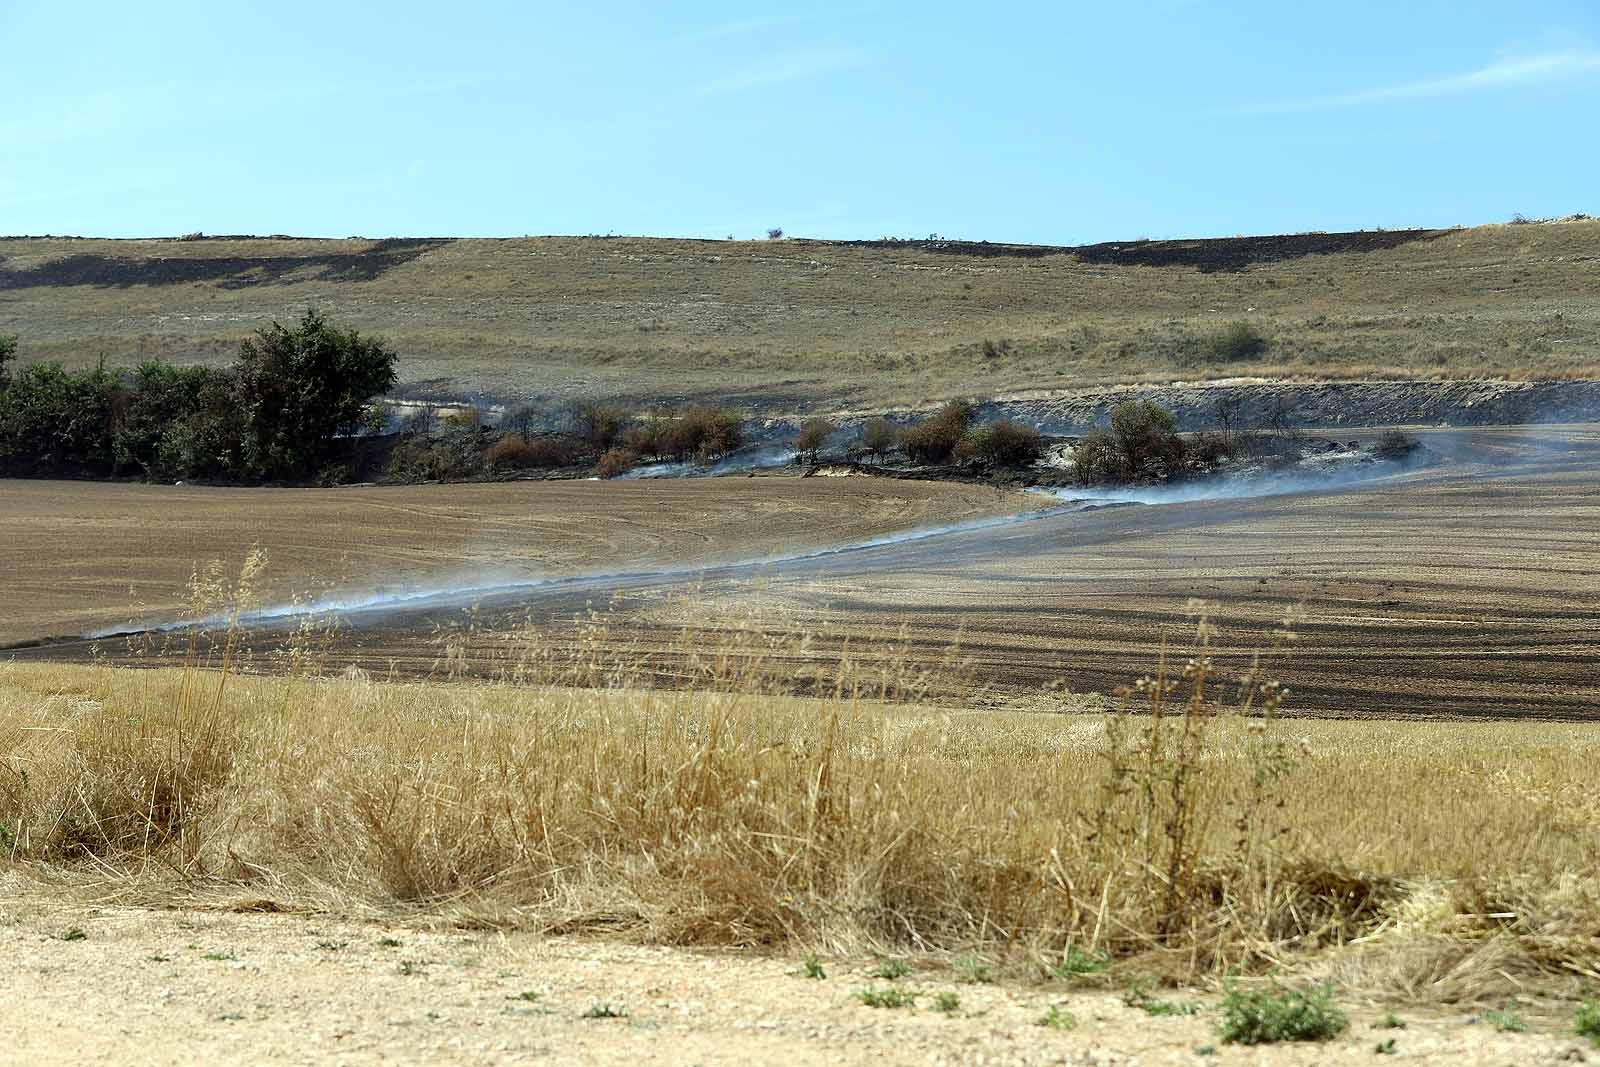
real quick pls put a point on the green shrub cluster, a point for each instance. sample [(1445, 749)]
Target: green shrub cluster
[(1268, 1016), (1236, 341), (278, 413), (1143, 444)]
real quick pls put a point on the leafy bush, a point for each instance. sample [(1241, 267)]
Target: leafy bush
[(300, 389), (814, 433), (1146, 436), (1007, 444), (1096, 459), (1262, 1018), (1236, 341), (54, 420), (879, 436), (935, 439), (615, 461), (8, 353)]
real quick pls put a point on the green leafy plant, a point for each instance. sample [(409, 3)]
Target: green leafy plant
[(890, 970), (1586, 1021), (1390, 1021), (1057, 1018), (1139, 996), (1507, 1020), (74, 933), (1268, 1016), (974, 970), (812, 968), (946, 1002), (605, 1010), (891, 997), (1076, 963)]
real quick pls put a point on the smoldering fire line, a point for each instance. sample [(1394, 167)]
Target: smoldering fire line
[(357, 606)]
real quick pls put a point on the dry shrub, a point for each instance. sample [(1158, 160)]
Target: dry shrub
[(510, 451), (517, 452), (934, 439), (615, 461)]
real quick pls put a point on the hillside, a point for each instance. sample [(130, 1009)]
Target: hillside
[(795, 324)]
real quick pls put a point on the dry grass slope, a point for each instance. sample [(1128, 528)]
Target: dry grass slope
[(791, 323)]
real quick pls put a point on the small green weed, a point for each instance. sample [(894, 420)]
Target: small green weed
[(1262, 1018), (1390, 1021), (812, 968), (1205, 1050), (73, 934), (1076, 963), (890, 970), (526, 994), (388, 942), (158, 958), (1138, 996), (974, 970), (411, 967), (332, 946), (230, 1017), (886, 998), (605, 1010), (1058, 1018), (1507, 1021), (1586, 1021), (946, 1002), (220, 956), (1385, 1048)]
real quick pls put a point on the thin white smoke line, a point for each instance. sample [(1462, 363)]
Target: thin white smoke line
[(1080, 499), (446, 596)]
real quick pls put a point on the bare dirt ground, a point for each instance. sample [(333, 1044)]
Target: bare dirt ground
[(76, 557), (1467, 590), (154, 988)]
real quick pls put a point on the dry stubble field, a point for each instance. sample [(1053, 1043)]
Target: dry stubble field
[(723, 815)]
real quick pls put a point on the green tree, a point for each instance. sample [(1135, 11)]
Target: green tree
[(300, 389), (8, 352), (1147, 436)]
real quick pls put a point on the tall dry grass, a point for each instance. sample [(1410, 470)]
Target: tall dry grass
[(1192, 829)]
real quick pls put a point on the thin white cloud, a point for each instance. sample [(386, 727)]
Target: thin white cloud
[(1506, 73), (740, 27), (793, 66)]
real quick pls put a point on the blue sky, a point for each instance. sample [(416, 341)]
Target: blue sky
[(1052, 123)]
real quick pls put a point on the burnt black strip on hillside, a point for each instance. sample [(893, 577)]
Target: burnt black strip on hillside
[(1237, 253), (1207, 254), (228, 272)]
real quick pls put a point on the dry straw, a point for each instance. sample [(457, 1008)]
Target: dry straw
[(679, 795)]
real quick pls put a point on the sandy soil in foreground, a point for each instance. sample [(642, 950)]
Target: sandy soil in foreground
[(176, 988)]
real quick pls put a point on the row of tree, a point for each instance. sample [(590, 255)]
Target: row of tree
[(284, 411)]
